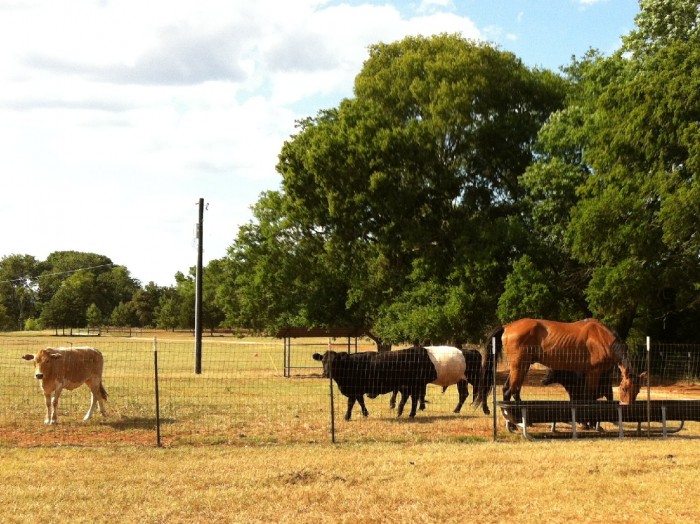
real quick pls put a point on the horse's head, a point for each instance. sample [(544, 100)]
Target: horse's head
[(630, 385)]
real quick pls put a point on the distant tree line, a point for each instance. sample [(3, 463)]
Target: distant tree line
[(455, 191), (72, 289)]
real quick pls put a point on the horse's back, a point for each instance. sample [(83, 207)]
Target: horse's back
[(561, 345)]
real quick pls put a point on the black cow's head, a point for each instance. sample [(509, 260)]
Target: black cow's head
[(326, 358)]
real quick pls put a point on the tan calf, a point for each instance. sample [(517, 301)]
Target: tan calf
[(69, 368)]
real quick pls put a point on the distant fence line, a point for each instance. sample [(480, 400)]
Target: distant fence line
[(258, 393)]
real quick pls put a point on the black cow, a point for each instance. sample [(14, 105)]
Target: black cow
[(376, 373), (574, 383)]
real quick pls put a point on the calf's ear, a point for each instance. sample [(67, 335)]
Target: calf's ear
[(317, 356), (28, 357)]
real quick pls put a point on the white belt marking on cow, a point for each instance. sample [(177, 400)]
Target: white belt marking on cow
[(449, 364)]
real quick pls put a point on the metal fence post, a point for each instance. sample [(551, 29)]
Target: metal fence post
[(495, 366), (649, 385), (330, 382), (155, 370)]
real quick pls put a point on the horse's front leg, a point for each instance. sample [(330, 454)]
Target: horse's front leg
[(592, 382)]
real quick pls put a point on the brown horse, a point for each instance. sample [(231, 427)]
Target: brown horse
[(586, 346)]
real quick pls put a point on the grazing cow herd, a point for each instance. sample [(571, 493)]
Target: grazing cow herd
[(579, 355)]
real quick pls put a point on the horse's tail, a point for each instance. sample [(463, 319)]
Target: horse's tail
[(488, 361)]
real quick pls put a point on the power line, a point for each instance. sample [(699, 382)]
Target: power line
[(55, 274)]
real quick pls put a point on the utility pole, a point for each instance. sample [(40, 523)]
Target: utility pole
[(198, 293)]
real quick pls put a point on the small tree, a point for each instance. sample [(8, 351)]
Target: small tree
[(168, 312), (123, 315), (94, 316)]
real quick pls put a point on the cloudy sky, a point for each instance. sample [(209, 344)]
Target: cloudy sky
[(116, 116)]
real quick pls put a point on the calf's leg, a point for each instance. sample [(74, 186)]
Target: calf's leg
[(47, 398)]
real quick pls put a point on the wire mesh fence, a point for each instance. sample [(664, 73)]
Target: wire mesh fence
[(255, 393)]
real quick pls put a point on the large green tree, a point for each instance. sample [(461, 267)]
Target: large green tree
[(404, 198)]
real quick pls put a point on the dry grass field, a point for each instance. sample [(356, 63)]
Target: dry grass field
[(242, 443), (607, 481)]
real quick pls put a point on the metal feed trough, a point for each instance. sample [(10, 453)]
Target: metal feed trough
[(533, 412)]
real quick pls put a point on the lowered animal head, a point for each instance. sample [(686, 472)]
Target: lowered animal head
[(630, 386), (43, 362)]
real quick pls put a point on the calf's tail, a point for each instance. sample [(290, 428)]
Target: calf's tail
[(488, 361)]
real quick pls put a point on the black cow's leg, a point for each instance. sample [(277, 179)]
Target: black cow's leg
[(402, 403), (361, 402), (351, 403), (422, 397), (463, 394), (414, 403), (392, 401)]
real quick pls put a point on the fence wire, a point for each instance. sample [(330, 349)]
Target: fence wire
[(262, 392)]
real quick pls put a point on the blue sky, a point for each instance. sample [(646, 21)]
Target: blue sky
[(117, 116)]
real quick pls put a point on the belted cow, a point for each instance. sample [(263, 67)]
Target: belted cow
[(454, 366), (69, 368)]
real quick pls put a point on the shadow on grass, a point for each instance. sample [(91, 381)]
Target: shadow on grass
[(128, 423), (429, 419)]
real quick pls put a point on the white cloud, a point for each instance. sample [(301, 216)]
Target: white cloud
[(430, 6), (116, 116), (590, 2)]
